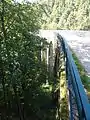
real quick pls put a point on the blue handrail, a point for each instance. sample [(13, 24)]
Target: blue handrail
[(73, 77)]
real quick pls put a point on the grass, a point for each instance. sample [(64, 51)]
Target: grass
[(83, 74)]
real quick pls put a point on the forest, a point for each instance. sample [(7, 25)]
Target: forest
[(65, 14), (23, 74)]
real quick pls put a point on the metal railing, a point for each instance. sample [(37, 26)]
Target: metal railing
[(79, 107)]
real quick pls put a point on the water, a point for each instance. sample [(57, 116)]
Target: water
[(79, 41)]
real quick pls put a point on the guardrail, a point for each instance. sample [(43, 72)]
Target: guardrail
[(79, 107)]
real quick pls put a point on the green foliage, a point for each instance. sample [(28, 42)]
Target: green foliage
[(22, 72), (84, 77), (65, 14)]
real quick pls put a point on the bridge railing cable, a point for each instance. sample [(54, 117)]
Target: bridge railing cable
[(78, 100)]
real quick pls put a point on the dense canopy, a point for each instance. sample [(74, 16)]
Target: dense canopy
[(65, 14)]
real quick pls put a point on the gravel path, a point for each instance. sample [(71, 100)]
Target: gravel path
[(79, 41)]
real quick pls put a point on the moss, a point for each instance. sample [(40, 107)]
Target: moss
[(64, 112)]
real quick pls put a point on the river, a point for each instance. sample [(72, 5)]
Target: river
[(79, 41)]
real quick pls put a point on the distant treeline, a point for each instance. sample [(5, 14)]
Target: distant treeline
[(65, 14)]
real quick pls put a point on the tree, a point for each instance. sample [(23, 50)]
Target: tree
[(21, 70), (66, 14)]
